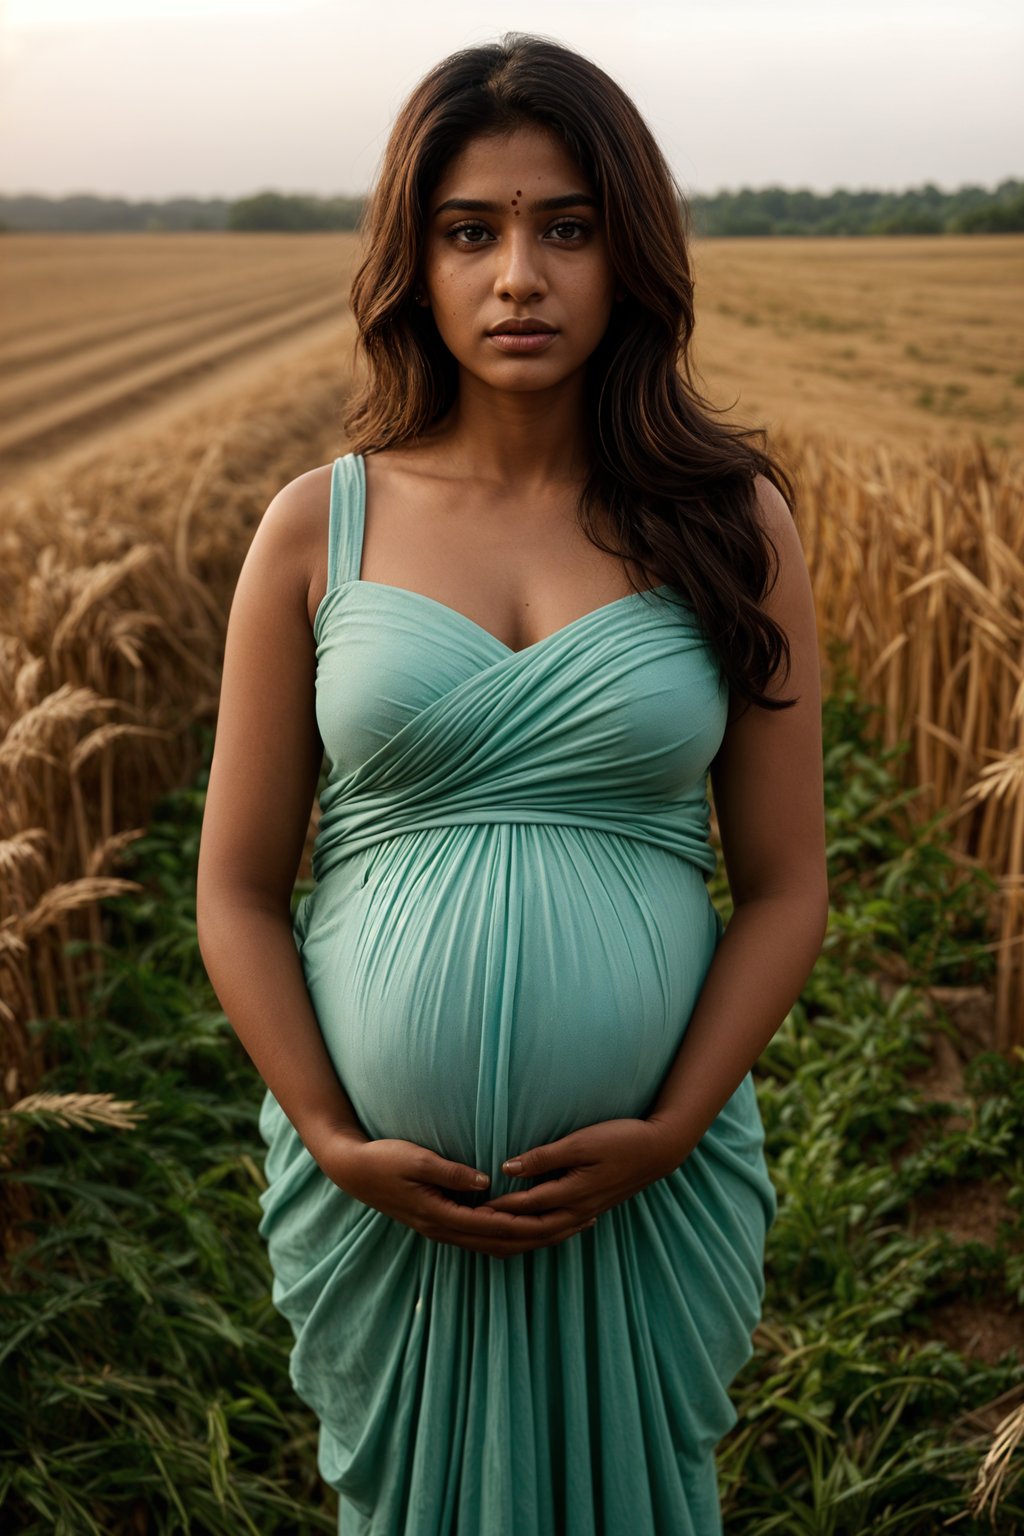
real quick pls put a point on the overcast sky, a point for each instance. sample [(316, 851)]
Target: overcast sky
[(222, 98)]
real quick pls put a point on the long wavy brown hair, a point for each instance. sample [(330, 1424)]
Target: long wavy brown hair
[(675, 485)]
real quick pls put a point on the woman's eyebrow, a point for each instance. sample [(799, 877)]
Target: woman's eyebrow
[(545, 204)]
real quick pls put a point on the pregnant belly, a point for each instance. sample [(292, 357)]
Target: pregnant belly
[(482, 989)]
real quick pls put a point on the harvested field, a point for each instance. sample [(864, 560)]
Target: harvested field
[(873, 339), (880, 340), (109, 333)]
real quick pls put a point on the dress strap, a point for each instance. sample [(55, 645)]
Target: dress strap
[(345, 520)]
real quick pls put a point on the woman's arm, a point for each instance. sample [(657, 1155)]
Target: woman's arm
[(263, 777), (768, 786)]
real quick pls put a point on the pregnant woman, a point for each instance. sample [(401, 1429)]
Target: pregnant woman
[(516, 1200)]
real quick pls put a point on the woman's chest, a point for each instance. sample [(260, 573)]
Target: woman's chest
[(628, 694)]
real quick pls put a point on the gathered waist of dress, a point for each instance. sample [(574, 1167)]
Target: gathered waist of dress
[(684, 836)]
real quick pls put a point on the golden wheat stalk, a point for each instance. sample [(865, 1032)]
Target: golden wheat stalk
[(65, 897), (28, 735), (993, 1471), (85, 1110)]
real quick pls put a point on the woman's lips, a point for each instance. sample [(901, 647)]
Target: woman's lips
[(529, 341)]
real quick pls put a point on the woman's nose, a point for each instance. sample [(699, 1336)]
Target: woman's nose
[(520, 271)]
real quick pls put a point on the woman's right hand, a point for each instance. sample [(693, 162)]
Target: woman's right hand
[(408, 1182)]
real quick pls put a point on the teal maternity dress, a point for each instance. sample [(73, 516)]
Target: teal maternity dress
[(509, 929)]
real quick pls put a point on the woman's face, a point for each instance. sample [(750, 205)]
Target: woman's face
[(517, 260)]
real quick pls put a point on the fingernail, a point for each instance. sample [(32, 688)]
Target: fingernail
[(481, 1179), (512, 1165)]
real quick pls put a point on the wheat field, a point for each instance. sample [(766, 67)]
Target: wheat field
[(158, 390), (874, 339)]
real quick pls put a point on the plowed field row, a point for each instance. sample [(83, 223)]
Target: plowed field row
[(126, 388), (108, 328), (61, 341)]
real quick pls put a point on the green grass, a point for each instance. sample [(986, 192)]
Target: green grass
[(144, 1372), (854, 1416)]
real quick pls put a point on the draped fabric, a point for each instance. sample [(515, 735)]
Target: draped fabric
[(509, 930)]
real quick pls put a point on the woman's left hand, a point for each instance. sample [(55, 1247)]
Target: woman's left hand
[(603, 1165)]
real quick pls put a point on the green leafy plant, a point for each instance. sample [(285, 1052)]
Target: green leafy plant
[(143, 1370)]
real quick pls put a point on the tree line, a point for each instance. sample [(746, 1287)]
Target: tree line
[(925, 210)]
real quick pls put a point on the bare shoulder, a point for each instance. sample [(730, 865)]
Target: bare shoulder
[(776, 518), (773, 506), (292, 535), (789, 600), (297, 512), (300, 498)]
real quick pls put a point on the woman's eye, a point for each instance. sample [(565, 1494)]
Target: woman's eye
[(576, 228), (465, 229)]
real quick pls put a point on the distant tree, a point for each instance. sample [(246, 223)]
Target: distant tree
[(994, 219), (907, 221), (274, 210)]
